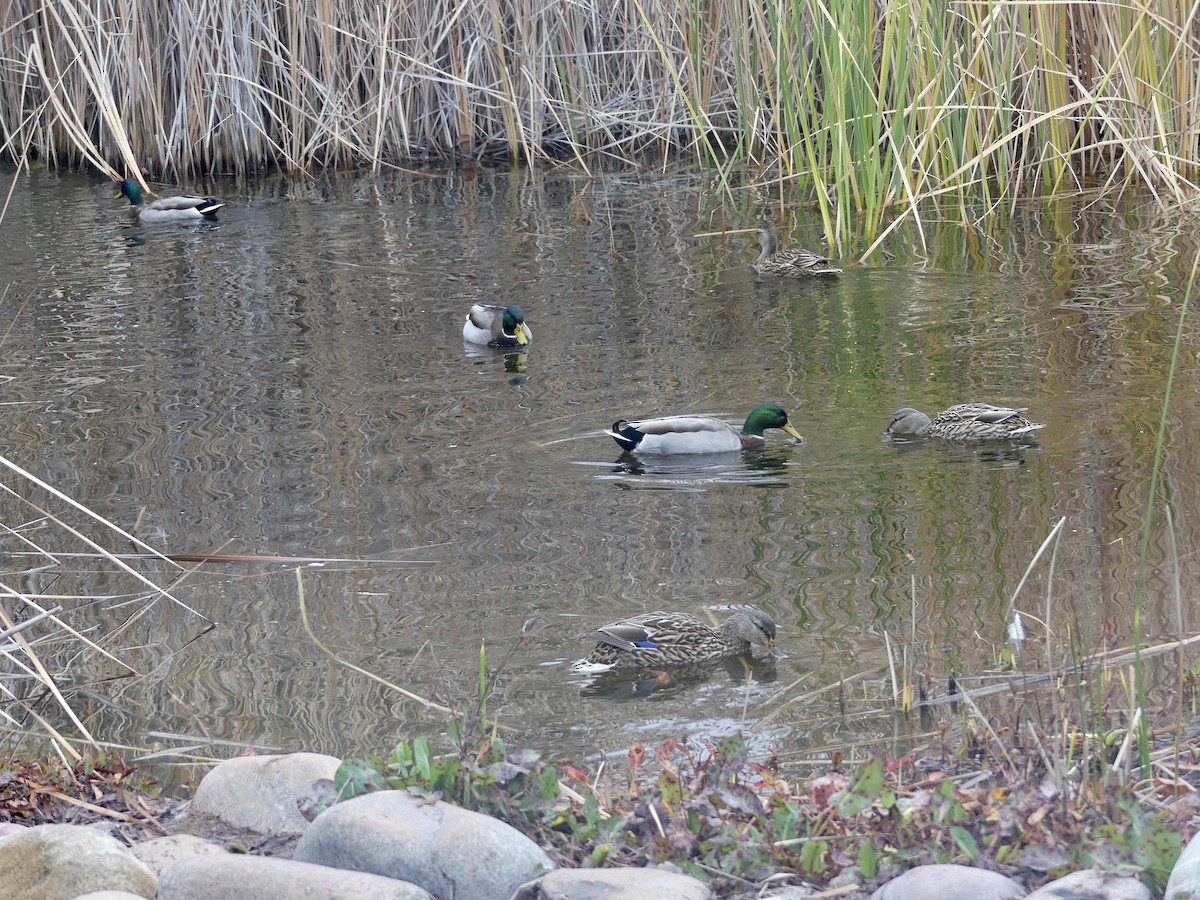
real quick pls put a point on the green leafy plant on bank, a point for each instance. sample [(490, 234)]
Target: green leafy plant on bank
[(730, 821)]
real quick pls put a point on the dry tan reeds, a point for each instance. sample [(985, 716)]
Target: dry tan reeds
[(872, 106)]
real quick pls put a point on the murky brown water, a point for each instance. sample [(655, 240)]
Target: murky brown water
[(293, 381)]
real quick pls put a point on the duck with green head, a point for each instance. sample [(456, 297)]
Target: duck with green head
[(181, 208), (967, 422), (699, 434), (661, 639), (496, 326)]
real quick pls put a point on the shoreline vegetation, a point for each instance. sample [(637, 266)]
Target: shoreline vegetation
[(868, 109), (1043, 767)]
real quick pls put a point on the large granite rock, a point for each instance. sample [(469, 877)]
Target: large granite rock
[(263, 878), (1092, 884), (948, 882), (451, 852), (612, 884), (160, 854), (1184, 883), (262, 793), (61, 862)]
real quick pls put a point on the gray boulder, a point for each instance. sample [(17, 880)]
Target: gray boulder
[(612, 884), (263, 878), (1184, 883), (1092, 884), (451, 852), (949, 882), (262, 793), (61, 862), (160, 854)]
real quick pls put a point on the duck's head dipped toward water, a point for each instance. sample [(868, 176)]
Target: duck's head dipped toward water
[(182, 208), (496, 326), (661, 639), (966, 422), (699, 434)]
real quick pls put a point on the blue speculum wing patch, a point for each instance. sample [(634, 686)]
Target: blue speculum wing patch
[(646, 645)]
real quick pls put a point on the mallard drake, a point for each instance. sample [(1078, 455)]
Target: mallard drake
[(699, 434), (666, 639), (966, 422), (169, 209), (496, 326), (773, 261)]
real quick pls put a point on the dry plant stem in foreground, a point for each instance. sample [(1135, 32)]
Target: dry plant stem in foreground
[(44, 649)]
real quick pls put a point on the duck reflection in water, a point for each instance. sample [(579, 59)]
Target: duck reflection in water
[(1005, 454), (625, 685), (516, 361), (696, 472)]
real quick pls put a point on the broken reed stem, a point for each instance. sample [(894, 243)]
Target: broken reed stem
[(428, 704)]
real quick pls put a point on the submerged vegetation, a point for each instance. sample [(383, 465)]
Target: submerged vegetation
[(869, 108)]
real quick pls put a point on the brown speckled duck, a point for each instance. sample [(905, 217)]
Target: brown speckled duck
[(965, 422), (802, 263), (661, 639)]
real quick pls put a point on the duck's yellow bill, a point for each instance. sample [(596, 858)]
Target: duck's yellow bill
[(773, 650), (790, 429), (520, 336)]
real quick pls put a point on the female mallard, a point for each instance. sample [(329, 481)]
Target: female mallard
[(699, 434), (169, 209), (966, 422), (671, 639), (773, 261), (496, 326)]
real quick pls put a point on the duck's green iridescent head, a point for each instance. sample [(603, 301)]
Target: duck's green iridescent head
[(130, 189), (514, 318), (769, 415)]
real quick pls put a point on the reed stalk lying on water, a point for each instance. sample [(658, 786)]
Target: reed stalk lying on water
[(868, 106)]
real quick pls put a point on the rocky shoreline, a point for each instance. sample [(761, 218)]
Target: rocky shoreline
[(404, 845)]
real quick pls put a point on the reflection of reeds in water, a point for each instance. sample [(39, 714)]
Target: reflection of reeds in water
[(876, 106), (45, 653)]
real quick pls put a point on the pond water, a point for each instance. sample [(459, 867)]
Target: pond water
[(292, 381)]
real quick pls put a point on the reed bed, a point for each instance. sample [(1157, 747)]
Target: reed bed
[(865, 105)]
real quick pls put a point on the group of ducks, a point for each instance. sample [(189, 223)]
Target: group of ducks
[(660, 639), (188, 208), (663, 639)]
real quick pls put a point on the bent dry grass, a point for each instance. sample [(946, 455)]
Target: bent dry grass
[(868, 109)]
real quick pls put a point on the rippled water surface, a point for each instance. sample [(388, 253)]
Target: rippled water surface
[(292, 381)]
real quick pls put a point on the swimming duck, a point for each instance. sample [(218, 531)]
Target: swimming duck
[(665, 639), (966, 422), (181, 208), (496, 326), (773, 261), (699, 434)]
